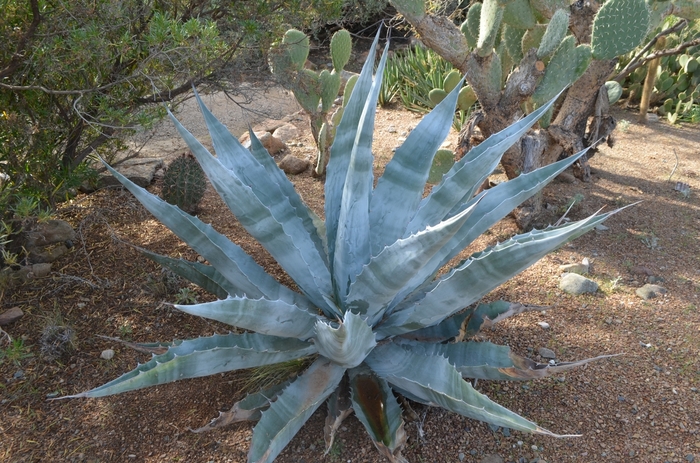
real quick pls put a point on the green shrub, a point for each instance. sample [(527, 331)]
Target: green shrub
[(371, 313)]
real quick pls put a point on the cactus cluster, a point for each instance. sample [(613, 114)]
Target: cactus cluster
[(184, 183), (503, 34), (676, 86), (315, 91)]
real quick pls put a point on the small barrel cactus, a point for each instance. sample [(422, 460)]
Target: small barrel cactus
[(184, 183)]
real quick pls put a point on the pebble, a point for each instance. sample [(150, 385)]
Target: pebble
[(461, 456), (546, 353), (19, 374), (690, 458), (107, 354), (601, 227), (543, 325)]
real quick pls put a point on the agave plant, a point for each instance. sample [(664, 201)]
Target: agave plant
[(373, 312)]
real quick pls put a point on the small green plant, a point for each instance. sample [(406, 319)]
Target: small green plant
[(25, 207), (184, 183), (126, 330), (57, 338), (186, 296), (374, 315), (14, 352)]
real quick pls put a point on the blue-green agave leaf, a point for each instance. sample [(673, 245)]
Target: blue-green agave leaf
[(269, 218), (493, 205), (293, 407), (467, 174), (479, 275), (341, 150), (388, 272), (484, 360), (228, 258), (204, 276), (433, 380), (487, 315), (400, 189), (377, 409), (446, 330), (352, 250), (276, 318), (204, 357), (348, 344), (247, 166), (339, 407), (248, 409)]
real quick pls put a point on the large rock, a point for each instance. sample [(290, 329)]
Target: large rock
[(292, 165), (650, 291), (573, 283), (47, 241), (286, 133), (272, 144)]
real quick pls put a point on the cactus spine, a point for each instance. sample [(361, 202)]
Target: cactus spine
[(619, 27), (184, 183)]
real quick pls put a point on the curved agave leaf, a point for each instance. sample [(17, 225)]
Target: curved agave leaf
[(446, 330), (246, 164), (377, 409), (347, 345), (266, 214), (352, 249), (346, 133), (480, 274), (205, 357), (228, 258), (487, 315), (468, 173), (204, 276), (433, 380), (275, 318), (388, 272), (292, 408), (400, 189), (493, 205), (339, 408), (248, 409), (484, 360)]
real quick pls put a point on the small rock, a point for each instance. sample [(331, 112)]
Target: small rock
[(492, 459), (543, 325), (19, 374), (579, 269), (292, 165), (107, 354), (690, 458), (654, 279), (272, 144), (566, 177), (10, 315), (52, 395), (573, 283), (546, 353), (639, 270), (41, 270), (650, 291), (461, 456), (391, 129), (601, 227), (286, 133)]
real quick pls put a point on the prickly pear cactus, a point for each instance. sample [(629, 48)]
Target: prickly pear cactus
[(315, 91), (619, 27), (184, 183)]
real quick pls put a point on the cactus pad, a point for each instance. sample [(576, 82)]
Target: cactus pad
[(184, 183), (297, 46), (466, 98), (436, 95), (519, 14), (471, 31), (532, 38), (451, 80), (308, 90), (559, 73), (489, 26), (554, 34), (330, 84), (513, 39), (618, 28), (341, 48), (614, 91)]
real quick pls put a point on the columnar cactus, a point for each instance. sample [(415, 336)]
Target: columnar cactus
[(315, 91)]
